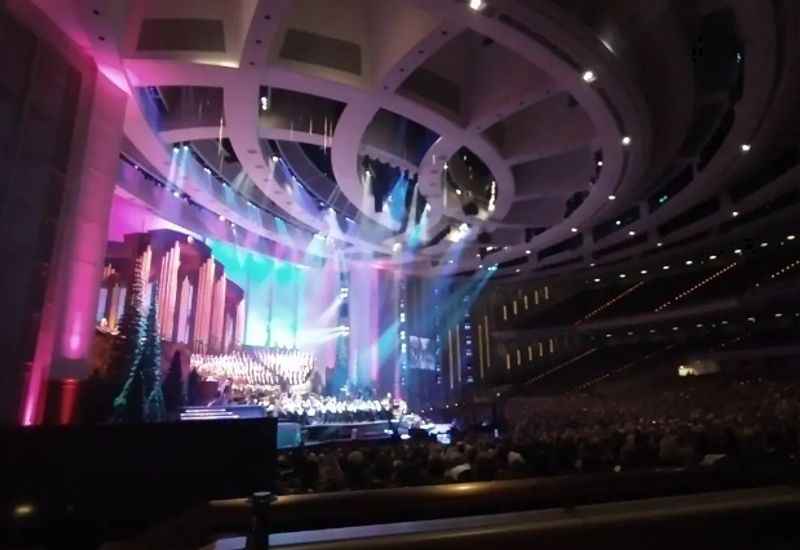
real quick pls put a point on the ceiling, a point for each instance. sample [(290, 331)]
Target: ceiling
[(432, 137)]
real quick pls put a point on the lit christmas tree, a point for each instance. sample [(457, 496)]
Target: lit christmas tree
[(150, 364), (127, 345)]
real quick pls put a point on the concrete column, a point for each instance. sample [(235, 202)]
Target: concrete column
[(66, 331)]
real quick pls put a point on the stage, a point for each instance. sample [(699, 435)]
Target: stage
[(294, 434)]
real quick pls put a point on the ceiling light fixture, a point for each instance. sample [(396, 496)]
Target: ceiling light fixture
[(476, 5), (588, 76), (789, 237), (626, 140), (712, 257), (631, 232), (574, 229), (612, 197), (745, 147), (735, 213)]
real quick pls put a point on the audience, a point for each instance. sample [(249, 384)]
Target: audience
[(749, 421)]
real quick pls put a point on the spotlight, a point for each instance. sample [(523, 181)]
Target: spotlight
[(574, 229), (643, 272), (612, 197), (207, 170), (712, 257), (458, 191), (264, 103), (689, 262), (622, 275), (527, 252), (626, 140), (631, 233), (735, 213), (665, 268), (599, 163), (745, 147), (659, 245), (185, 147), (737, 251), (588, 76), (175, 148), (476, 5), (596, 279), (275, 158), (618, 223), (790, 237), (764, 244), (445, 166)]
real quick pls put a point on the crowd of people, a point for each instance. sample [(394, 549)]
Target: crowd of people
[(747, 421), (259, 370), (318, 409)]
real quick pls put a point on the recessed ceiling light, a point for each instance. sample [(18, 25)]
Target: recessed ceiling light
[(764, 244), (626, 140), (612, 197), (476, 5), (221, 218), (643, 272), (527, 252), (517, 270), (631, 232), (588, 76), (592, 264), (689, 262), (451, 261), (596, 279), (574, 229), (599, 163), (665, 268), (789, 237), (622, 275), (480, 266), (737, 251), (745, 147), (458, 191), (659, 245), (735, 213), (275, 158), (618, 223)]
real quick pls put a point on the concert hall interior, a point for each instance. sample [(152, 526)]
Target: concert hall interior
[(466, 240)]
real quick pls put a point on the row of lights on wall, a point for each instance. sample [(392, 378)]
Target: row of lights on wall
[(689, 263), (676, 328), (695, 287)]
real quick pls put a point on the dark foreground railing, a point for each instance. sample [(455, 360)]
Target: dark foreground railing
[(287, 514)]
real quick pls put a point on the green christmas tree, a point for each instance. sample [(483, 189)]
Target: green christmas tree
[(150, 364), (141, 399), (127, 345)]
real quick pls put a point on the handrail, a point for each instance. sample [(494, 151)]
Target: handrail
[(206, 523)]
